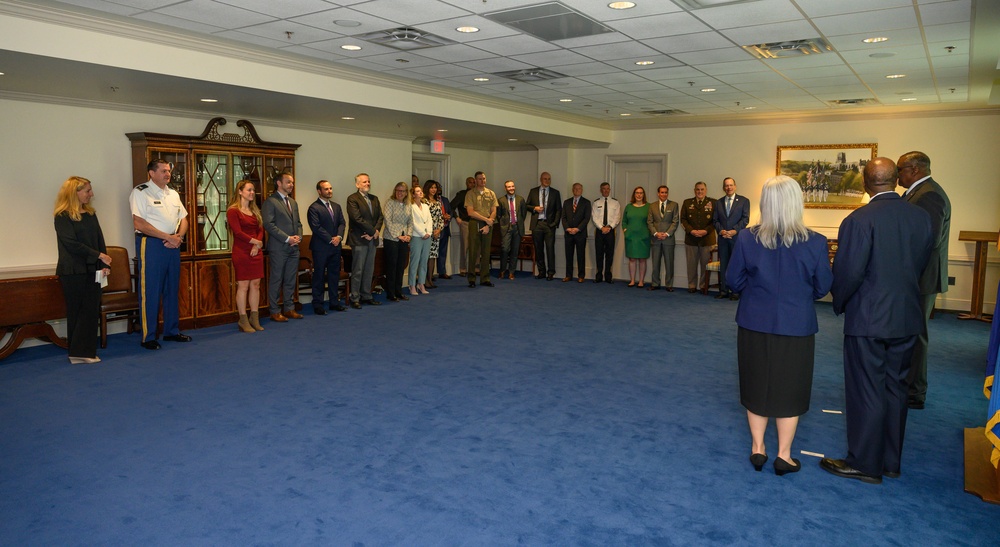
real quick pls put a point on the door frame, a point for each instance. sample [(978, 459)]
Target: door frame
[(443, 159), (612, 161)]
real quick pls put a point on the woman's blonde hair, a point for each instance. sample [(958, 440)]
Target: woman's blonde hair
[(413, 197), (780, 214), (234, 203), (399, 185), (68, 202)]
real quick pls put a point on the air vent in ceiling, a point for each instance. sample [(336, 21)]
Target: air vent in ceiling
[(406, 38), (549, 21), (790, 48), (852, 102), (667, 112), (530, 74)]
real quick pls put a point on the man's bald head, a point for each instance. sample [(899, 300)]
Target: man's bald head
[(880, 176)]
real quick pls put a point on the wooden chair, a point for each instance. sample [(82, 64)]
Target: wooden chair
[(713, 266), (120, 299)]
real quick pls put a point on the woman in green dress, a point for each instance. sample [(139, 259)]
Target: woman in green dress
[(636, 235)]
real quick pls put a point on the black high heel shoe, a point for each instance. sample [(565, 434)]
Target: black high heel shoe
[(758, 461), (781, 466)]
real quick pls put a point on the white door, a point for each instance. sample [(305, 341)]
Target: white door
[(626, 176)]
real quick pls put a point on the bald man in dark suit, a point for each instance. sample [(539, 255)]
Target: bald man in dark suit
[(883, 249)]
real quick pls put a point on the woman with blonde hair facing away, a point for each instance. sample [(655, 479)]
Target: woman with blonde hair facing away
[(243, 217), (420, 243), (82, 254), (396, 240), (779, 267), (634, 216)]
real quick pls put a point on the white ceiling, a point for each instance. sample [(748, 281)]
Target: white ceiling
[(948, 51)]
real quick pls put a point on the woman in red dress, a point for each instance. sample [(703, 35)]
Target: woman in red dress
[(244, 220)]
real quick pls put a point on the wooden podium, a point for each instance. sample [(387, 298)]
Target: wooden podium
[(979, 273), (981, 478)]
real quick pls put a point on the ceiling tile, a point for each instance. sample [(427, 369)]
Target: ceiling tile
[(871, 21), (495, 64), (596, 39), (587, 69), (736, 67), (760, 12), (774, 32), (613, 78), (513, 45), (957, 11), (551, 59), (102, 5), (208, 10), (301, 34), (392, 60), (658, 25), (672, 73), (658, 60), (635, 86), (713, 56), (897, 37), (325, 20), (367, 48), (487, 29), (822, 8), (194, 26), (952, 31), (453, 54), (623, 50), (410, 12), (689, 42), (283, 9), (253, 39)]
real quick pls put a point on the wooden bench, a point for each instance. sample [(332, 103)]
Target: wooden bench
[(28, 302)]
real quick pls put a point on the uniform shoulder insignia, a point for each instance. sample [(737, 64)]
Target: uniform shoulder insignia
[(142, 186)]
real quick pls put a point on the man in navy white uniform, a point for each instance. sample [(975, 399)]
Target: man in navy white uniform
[(160, 222)]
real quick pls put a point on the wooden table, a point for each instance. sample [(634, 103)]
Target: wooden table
[(29, 302), (979, 273)]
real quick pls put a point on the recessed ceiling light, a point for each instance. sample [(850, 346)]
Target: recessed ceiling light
[(565, 100), (621, 5), (210, 100), (1, 73), (624, 114), (910, 99), (346, 118), (875, 39), (442, 130), (895, 76), (707, 89), (644, 63), (511, 140), (481, 79), (749, 108), (350, 47), (347, 23), (467, 29)]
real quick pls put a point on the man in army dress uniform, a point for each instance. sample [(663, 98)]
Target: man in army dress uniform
[(699, 235)]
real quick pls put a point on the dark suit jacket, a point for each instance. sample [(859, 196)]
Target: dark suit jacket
[(883, 248), (738, 217), (553, 207), (503, 213), (80, 243), (667, 222), (323, 226), (279, 223), (363, 220), (778, 286), (930, 197), (580, 218), (446, 209)]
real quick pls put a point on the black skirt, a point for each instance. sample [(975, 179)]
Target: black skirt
[(775, 372)]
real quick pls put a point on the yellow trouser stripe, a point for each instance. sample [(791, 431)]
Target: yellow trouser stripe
[(142, 287)]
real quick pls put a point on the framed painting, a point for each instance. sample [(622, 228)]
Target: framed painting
[(830, 174)]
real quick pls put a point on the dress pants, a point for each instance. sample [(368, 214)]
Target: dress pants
[(362, 270), (576, 243), (917, 378), (83, 306), (875, 387), (545, 247), (479, 251), (420, 250), (284, 277), (695, 256), (395, 253), (726, 247), (442, 259), (604, 251), (159, 277), (326, 271), (463, 235), (510, 246), (662, 251)]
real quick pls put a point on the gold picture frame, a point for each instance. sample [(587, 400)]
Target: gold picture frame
[(830, 174)]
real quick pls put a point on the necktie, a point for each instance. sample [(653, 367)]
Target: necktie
[(369, 202), (513, 214), (605, 211), (545, 197), (287, 205), (575, 201), (330, 209), (662, 208), (729, 203)]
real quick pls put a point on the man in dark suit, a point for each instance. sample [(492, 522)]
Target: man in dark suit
[(326, 221), (883, 248), (546, 208), (366, 223), (575, 216), (462, 217), (510, 213), (924, 192), (732, 214), (699, 235), (284, 229), (662, 223)]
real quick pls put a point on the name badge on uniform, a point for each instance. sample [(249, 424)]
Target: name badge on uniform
[(156, 202)]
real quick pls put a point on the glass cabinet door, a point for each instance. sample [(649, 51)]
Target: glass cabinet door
[(250, 168), (211, 200), (275, 165), (178, 177)]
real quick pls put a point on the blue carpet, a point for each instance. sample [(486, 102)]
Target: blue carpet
[(531, 413)]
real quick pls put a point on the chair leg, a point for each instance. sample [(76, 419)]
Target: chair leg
[(104, 331)]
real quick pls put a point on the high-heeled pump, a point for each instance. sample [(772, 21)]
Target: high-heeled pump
[(758, 461), (781, 466)]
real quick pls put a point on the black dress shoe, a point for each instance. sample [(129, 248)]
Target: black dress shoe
[(652, 288), (338, 307), (550, 277), (692, 291), (152, 344), (445, 276), (598, 279), (472, 284), (402, 297), (720, 296), (758, 461), (734, 297), (319, 311), (392, 298), (670, 289), (540, 276), (915, 404), (371, 302), (609, 281), (841, 469), (356, 305), (487, 283), (891, 474), (177, 338), (781, 466)]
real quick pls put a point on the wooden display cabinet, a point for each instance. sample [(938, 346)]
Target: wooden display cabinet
[(206, 169)]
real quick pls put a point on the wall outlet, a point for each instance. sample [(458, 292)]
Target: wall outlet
[(951, 280)]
